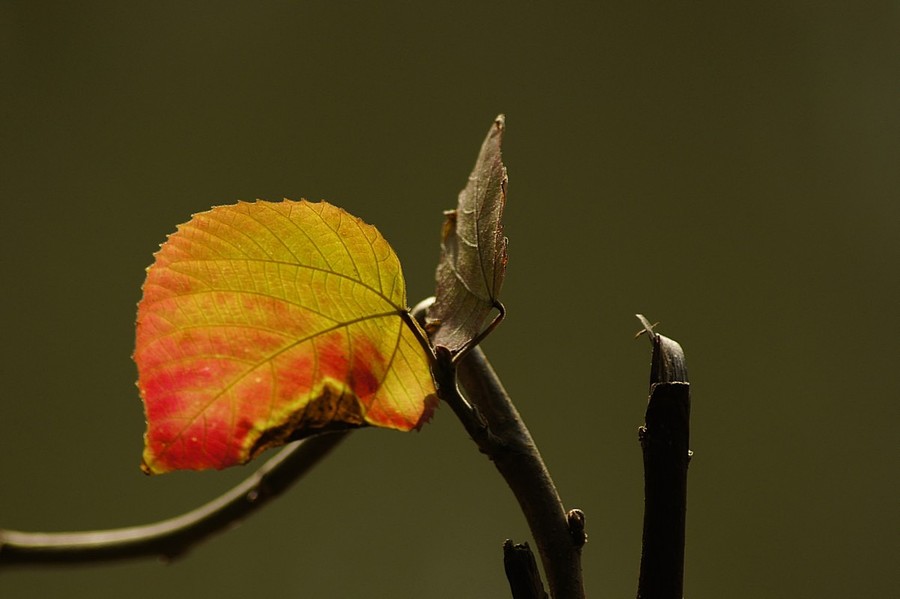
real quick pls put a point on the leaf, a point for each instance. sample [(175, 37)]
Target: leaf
[(264, 322), (473, 251)]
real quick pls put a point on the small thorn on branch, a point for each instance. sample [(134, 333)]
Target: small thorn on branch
[(575, 519)]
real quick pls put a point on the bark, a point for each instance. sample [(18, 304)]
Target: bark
[(664, 442)]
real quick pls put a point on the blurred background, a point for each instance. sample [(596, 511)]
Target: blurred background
[(728, 169)]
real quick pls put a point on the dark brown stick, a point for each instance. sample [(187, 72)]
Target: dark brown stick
[(494, 424), (665, 444), (171, 538), (522, 571)]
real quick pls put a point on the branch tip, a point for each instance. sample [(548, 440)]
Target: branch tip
[(522, 571), (668, 364)]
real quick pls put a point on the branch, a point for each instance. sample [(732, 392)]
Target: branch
[(170, 539), (522, 571), (665, 444), (494, 424)]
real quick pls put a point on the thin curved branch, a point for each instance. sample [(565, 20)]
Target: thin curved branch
[(172, 538)]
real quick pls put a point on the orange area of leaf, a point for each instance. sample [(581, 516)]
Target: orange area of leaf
[(263, 322)]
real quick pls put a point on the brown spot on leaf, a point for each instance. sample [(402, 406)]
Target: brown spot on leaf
[(336, 408)]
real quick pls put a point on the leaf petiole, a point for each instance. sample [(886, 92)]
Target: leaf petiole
[(473, 343)]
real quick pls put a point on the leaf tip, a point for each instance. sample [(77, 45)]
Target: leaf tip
[(147, 463), (497, 130)]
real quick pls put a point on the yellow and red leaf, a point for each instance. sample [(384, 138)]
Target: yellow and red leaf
[(263, 322)]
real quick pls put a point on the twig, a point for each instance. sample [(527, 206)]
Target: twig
[(665, 444), (170, 539), (522, 571), (494, 424)]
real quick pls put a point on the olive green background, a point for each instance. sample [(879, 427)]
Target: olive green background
[(729, 169)]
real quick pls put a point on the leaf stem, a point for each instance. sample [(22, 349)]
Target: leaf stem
[(172, 538), (501, 314)]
